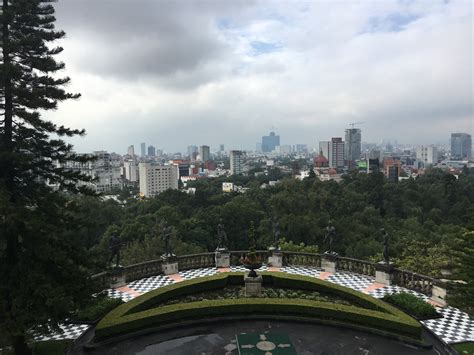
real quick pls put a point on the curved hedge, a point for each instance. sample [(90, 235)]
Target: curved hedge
[(145, 311)]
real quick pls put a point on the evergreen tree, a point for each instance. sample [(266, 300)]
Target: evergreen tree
[(40, 273)]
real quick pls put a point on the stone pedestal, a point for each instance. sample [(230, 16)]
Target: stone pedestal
[(275, 258), (439, 292), (383, 273), (170, 264), (222, 258), (253, 286), (117, 277), (329, 262)]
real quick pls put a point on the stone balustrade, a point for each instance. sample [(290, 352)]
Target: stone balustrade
[(407, 279), (357, 266)]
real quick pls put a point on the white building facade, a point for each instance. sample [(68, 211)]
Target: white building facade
[(427, 154), (236, 162), (155, 178)]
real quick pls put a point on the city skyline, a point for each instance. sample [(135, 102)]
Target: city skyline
[(181, 73)]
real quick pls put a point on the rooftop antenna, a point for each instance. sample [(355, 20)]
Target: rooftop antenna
[(355, 123)]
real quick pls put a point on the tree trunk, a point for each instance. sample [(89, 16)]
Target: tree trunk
[(20, 347)]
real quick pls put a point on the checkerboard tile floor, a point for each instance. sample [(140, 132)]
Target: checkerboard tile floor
[(241, 268), (388, 290), (454, 327), (68, 331), (191, 274), (150, 283), (301, 270), (354, 281), (113, 293)]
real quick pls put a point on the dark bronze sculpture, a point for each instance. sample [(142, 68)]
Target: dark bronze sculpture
[(330, 237), (114, 247), (166, 232), (386, 255), (221, 237)]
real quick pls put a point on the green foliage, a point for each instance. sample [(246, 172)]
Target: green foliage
[(96, 309), (412, 305), (465, 348), (290, 246), (51, 347), (148, 309)]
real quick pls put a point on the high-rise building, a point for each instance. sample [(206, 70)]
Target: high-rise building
[(427, 154), (221, 148), (336, 153), (143, 149), (151, 151), (270, 142), (461, 146), (258, 147), (236, 162), (131, 151), (205, 153), (131, 170), (191, 150), (324, 147), (352, 145), (155, 178)]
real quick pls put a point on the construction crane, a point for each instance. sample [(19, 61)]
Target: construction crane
[(354, 123)]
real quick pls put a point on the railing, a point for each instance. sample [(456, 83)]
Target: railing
[(196, 261), (413, 281), (301, 259), (237, 255), (403, 278), (355, 265), (141, 270)]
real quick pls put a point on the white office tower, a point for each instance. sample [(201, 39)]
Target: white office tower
[(131, 170), (427, 154), (236, 162), (155, 178)]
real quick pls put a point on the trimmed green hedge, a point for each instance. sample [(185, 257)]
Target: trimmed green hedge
[(412, 305), (145, 311)]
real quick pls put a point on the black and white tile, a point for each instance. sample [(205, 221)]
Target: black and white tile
[(66, 331), (193, 273), (301, 270), (454, 327), (388, 290), (351, 280), (150, 283), (113, 293)]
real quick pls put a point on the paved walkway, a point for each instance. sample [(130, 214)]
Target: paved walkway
[(454, 327)]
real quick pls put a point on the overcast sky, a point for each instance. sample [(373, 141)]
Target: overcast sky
[(176, 73)]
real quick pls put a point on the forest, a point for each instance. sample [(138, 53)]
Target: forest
[(428, 219)]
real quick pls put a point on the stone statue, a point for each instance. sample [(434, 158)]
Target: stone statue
[(330, 237), (386, 255), (114, 247), (221, 237), (276, 232), (166, 234)]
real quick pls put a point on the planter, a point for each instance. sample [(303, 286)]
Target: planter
[(252, 267)]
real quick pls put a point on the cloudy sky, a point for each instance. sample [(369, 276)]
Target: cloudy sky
[(174, 73)]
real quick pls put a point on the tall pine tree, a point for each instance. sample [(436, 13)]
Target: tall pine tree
[(42, 274)]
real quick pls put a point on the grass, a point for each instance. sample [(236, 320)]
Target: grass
[(412, 305), (465, 348)]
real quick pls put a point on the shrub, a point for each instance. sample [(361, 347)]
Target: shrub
[(97, 309), (412, 305), (146, 311)]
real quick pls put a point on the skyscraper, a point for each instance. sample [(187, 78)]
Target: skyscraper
[(236, 162), (131, 150), (205, 153), (336, 153), (143, 149), (221, 148), (270, 142), (352, 145), (151, 151), (192, 150), (461, 146)]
